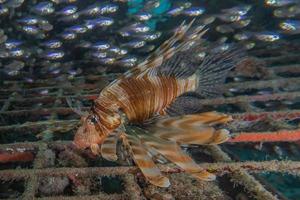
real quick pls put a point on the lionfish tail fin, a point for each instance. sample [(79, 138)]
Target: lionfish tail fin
[(172, 152), (214, 69), (144, 162), (193, 129)]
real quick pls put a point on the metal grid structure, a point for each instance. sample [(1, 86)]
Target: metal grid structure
[(37, 126)]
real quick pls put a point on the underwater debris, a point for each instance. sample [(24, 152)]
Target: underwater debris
[(252, 67)]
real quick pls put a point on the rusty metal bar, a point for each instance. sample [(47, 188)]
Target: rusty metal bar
[(273, 83), (275, 115), (276, 136), (292, 167), (242, 177), (216, 101), (103, 196), (248, 99)]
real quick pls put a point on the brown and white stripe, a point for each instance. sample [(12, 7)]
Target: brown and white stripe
[(193, 129), (109, 147), (144, 162), (173, 153), (142, 98)]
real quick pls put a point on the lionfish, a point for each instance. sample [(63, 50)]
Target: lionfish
[(146, 94)]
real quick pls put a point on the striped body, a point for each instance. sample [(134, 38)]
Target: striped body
[(142, 98)]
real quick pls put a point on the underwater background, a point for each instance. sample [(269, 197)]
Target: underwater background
[(51, 50)]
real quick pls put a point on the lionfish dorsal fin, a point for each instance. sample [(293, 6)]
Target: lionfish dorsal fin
[(193, 129), (144, 162), (178, 42), (109, 147), (172, 152)]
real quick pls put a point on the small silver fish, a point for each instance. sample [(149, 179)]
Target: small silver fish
[(248, 44), (98, 22), (14, 67), (242, 36), (77, 29), (117, 51), (30, 29), (14, 3), (100, 45), (3, 10), (227, 17), (28, 20), (84, 44), (175, 11), (129, 61), (240, 24), (69, 18), (98, 9), (107, 61), (194, 11), (52, 44), (68, 10), (267, 36), (135, 44), (147, 48), (148, 37), (53, 54), (4, 53), (224, 28), (16, 52), (238, 10), (12, 43), (43, 8), (290, 26), (151, 4), (45, 25), (3, 38), (99, 54), (143, 16), (63, 1), (133, 29), (279, 3), (67, 35), (206, 20)]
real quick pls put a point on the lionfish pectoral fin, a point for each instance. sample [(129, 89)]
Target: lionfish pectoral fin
[(109, 147), (95, 149), (145, 163), (172, 152), (193, 129)]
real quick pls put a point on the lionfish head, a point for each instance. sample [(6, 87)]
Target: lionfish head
[(90, 132)]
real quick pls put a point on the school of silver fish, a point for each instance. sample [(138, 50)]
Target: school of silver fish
[(60, 36)]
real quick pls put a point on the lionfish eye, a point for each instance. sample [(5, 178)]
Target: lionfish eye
[(93, 119)]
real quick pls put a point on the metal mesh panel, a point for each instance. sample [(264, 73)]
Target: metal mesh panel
[(37, 127)]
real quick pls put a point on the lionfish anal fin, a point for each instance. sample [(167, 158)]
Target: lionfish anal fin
[(144, 162)]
